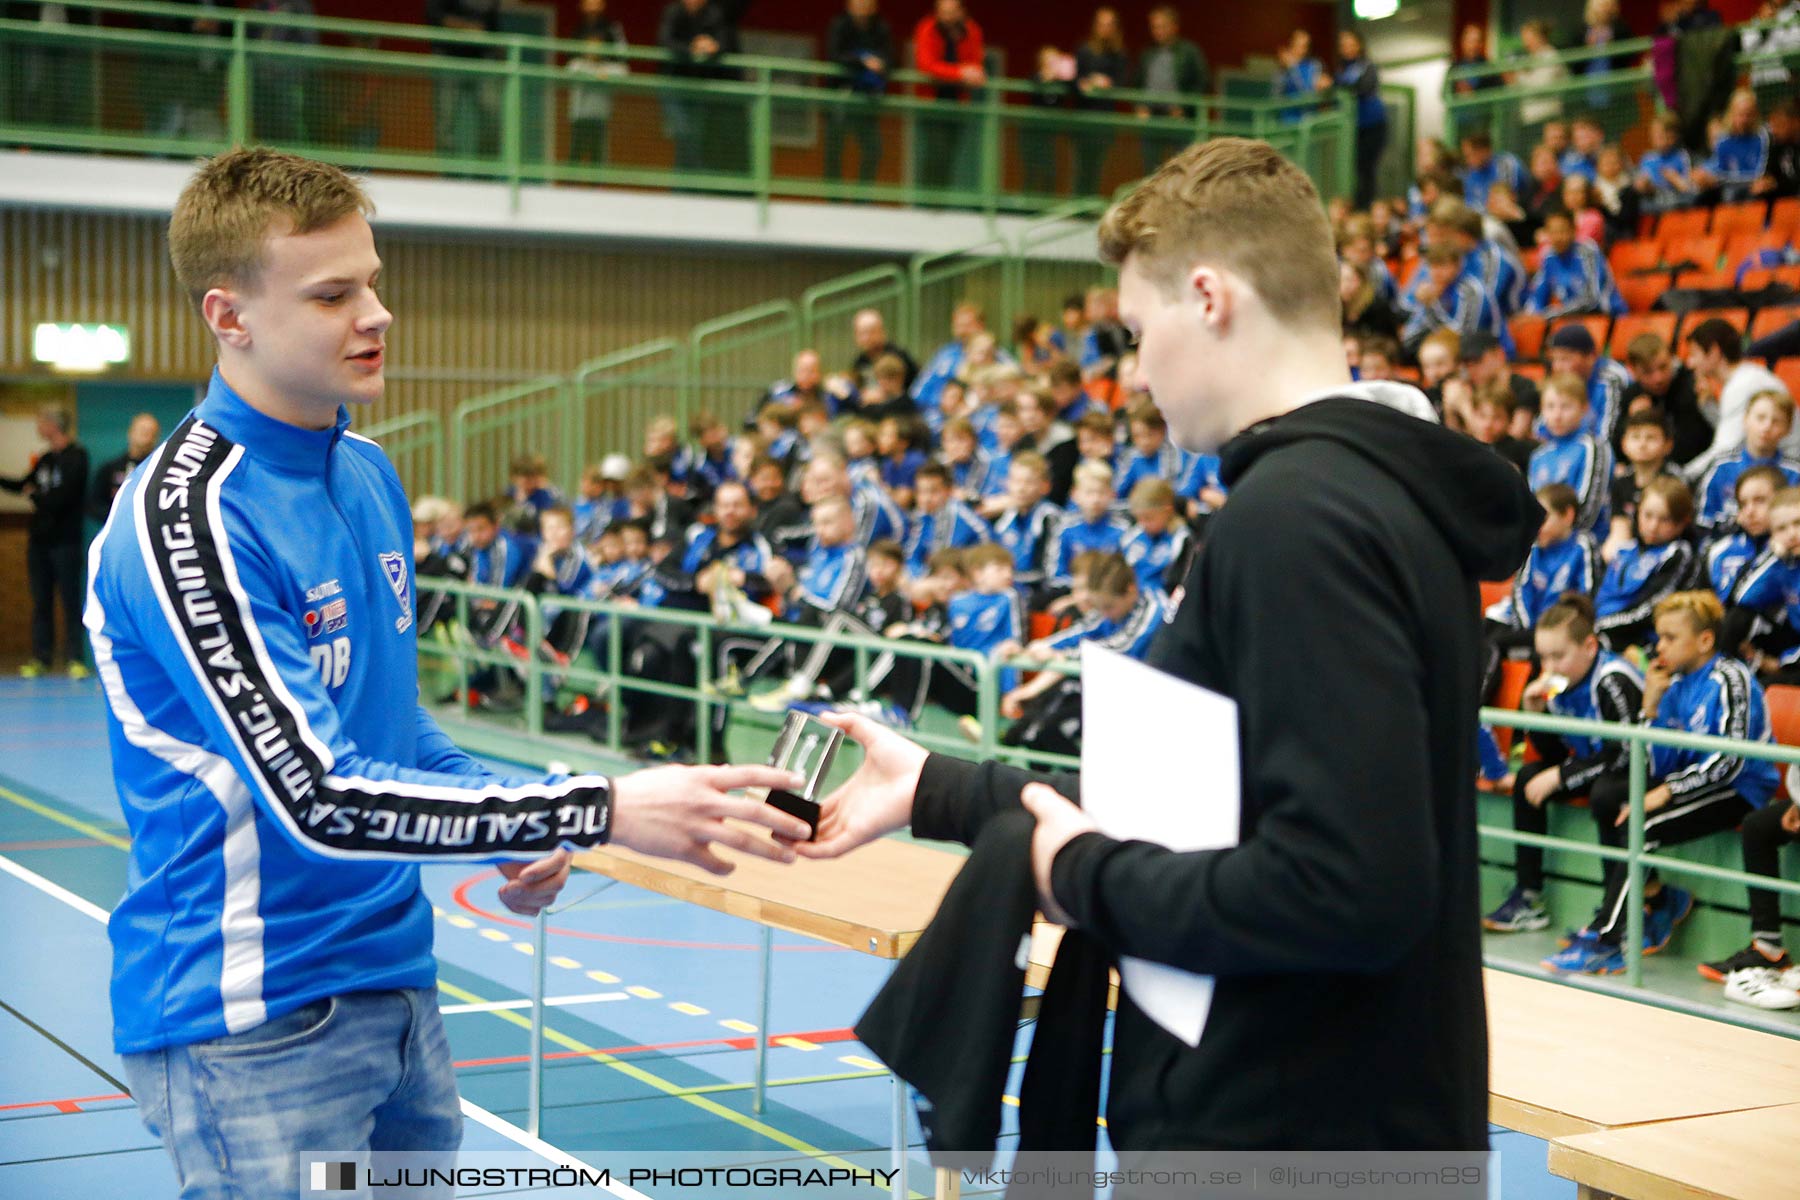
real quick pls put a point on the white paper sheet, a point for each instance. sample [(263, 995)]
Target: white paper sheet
[(1159, 763)]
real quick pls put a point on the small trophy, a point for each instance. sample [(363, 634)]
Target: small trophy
[(805, 746)]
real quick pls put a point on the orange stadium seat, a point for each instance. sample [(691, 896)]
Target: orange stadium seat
[(1641, 292), (1043, 624), (1738, 317), (1739, 246), (1534, 371), (1788, 371), (1768, 320), (1700, 253), (1514, 675), (1528, 335), (1785, 217), (1494, 591), (1628, 257), (1784, 713), (1662, 324), (1683, 223), (1739, 218), (1706, 279)]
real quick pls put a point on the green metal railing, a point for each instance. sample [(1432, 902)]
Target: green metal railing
[(733, 357), (613, 398), (381, 96), (1636, 859), (488, 431), (414, 443)]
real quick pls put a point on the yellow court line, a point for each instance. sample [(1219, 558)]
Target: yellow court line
[(633, 1071), (79, 826)]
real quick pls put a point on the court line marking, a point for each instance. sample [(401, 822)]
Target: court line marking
[(75, 823), (473, 1111), (549, 1002)]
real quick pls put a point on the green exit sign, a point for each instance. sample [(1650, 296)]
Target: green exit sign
[(81, 347)]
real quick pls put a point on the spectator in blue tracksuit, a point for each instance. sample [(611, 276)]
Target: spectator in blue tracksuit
[(966, 322), (1302, 77), (1572, 351), (941, 521), (1448, 299), (1483, 168), (251, 611), (1660, 562), (1358, 76), (1740, 154), (1026, 525), (1571, 455), (1563, 559), (1090, 524), (1159, 539), (1200, 487), (1694, 688), (1586, 683), (1573, 275), (1665, 174), (1764, 606), (1151, 454), (1766, 423), (1736, 545)]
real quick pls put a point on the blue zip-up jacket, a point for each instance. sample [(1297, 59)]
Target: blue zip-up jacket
[(1202, 472), (593, 516), (1464, 306), (1739, 159), (832, 577), (1715, 484), (901, 474), (1639, 578), (1300, 81), (987, 435), (1502, 166), (504, 563), (1654, 167), (1606, 385), (1027, 534), (616, 579), (1150, 556), (1170, 462), (1771, 586), (1727, 555), (279, 778), (878, 518), (983, 620), (1723, 699), (970, 476), (1582, 461), (1574, 162), (1500, 272), (1571, 565), (999, 464), (950, 528), (1132, 635), (1075, 535), (1579, 280), (1612, 690), (751, 556)]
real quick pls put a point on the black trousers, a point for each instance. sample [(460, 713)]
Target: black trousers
[(1763, 838), (913, 681), (1683, 819), (1371, 143), (1051, 722), (54, 568), (858, 121), (1528, 861)]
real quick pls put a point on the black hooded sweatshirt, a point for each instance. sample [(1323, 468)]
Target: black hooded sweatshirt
[(1336, 602)]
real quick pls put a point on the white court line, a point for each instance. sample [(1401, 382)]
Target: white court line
[(549, 1002), (473, 1111)]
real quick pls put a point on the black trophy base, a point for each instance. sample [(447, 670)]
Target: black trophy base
[(797, 806)]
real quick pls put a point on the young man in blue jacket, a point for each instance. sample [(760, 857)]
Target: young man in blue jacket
[(251, 611)]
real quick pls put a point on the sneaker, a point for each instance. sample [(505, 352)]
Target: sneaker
[(1761, 987), (878, 712), (32, 670), (1660, 920), (1520, 911), (969, 728), (778, 700), (1756, 954), (1588, 955), (516, 649), (79, 671), (731, 686)]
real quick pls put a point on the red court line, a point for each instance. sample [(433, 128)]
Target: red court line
[(461, 896), (823, 1036), (81, 843), (71, 1105)]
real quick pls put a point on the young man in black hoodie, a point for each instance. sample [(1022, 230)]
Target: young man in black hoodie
[(1334, 602)]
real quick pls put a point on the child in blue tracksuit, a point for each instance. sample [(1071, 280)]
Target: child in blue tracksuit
[(1692, 687), (941, 522), (1025, 525), (1570, 455), (1578, 680), (1766, 424), (1738, 544), (1740, 153), (984, 618), (1665, 175), (1764, 606), (1573, 275), (1152, 455), (1158, 541), (1661, 562), (1091, 524)]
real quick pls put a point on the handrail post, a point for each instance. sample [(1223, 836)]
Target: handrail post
[(512, 117), (615, 694), (1634, 874), (990, 153), (534, 669), (762, 144), (237, 85), (1348, 132), (702, 703)]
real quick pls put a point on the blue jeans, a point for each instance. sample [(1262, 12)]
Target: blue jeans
[(361, 1071)]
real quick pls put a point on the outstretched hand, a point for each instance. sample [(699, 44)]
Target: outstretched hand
[(874, 801), (531, 887), (681, 812)]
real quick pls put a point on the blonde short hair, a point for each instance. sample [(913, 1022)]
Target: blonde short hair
[(1701, 608), (1238, 204), (235, 201), (1094, 472)]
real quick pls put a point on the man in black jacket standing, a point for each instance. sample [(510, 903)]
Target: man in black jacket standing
[(709, 133), (56, 485), (141, 437), (1334, 602), (859, 41)]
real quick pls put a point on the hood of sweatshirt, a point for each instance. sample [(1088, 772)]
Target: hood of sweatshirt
[(1477, 499)]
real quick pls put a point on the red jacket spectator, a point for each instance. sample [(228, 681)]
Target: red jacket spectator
[(946, 48)]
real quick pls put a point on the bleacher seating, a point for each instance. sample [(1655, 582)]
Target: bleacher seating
[(1634, 323)]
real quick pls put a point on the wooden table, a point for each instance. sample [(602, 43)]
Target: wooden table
[(876, 901), (1749, 1155), (1563, 1060)]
